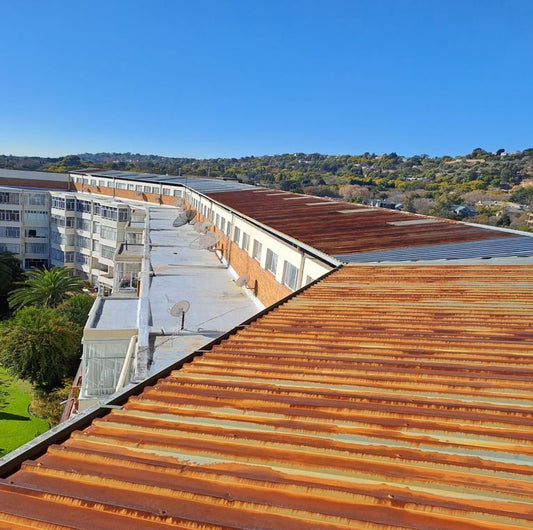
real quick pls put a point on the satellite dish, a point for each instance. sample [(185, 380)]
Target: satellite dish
[(180, 220), (179, 309), (242, 280), (202, 227), (138, 193), (206, 241)]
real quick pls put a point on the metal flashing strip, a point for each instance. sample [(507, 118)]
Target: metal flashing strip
[(358, 210), (415, 222)]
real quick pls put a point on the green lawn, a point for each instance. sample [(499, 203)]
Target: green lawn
[(16, 425)]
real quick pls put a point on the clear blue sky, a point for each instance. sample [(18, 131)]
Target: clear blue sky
[(234, 78)]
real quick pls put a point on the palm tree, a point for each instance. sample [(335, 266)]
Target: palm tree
[(46, 288)]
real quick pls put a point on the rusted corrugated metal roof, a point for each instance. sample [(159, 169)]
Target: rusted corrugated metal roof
[(390, 396), (338, 228)]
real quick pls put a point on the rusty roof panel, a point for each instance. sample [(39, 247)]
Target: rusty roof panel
[(337, 228), (382, 396)]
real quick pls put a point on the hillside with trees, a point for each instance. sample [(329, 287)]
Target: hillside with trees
[(495, 187)]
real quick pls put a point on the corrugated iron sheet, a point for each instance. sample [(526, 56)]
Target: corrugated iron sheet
[(489, 248), (390, 396), (322, 224)]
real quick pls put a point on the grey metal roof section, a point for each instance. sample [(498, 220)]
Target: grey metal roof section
[(202, 185), (491, 248)]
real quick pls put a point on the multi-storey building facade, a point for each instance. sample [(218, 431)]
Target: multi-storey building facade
[(24, 225)]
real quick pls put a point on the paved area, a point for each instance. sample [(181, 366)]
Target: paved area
[(184, 272)]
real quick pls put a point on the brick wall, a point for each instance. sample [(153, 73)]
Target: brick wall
[(34, 183)]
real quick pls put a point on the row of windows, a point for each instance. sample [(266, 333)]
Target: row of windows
[(9, 231), (36, 248), (10, 247), (83, 206), (9, 215), (36, 232), (7, 197), (60, 220)]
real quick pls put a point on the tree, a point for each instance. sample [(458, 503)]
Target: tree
[(76, 308), (40, 345), (46, 288), (10, 273)]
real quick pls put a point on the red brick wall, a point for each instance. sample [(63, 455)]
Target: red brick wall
[(34, 183), (266, 288)]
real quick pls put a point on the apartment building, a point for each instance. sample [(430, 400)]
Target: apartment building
[(25, 225)]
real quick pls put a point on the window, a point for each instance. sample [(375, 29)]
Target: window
[(96, 227), (58, 202), (257, 250), (71, 204), (123, 214), (96, 206), (83, 224), (237, 235), (9, 215), (271, 263), (69, 257), (10, 247), (57, 220), (36, 248), (107, 252), (107, 232), (102, 183), (69, 222), (108, 212), (36, 232), (37, 199), (82, 258), (36, 216), (131, 187), (57, 255), (9, 231), (245, 241), (7, 197), (93, 182), (83, 206), (83, 242), (223, 224), (290, 275), (147, 189)]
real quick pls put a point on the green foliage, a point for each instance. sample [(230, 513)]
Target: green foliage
[(76, 308), (50, 405), (10, 272), (46, 288), (40, 345), (523, 195)]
